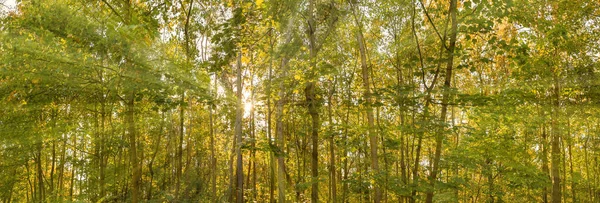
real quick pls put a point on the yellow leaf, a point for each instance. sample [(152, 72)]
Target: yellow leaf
[(259, 2), (245, 60)]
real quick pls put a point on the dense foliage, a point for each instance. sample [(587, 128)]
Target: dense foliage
[(300, 101)]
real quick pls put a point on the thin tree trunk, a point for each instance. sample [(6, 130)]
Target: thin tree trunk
[(490, 179), (131, 130), (403, 146), (252, 162), (61, 167), (238, 133), (179, 152), (156, 150), (555, 155), (53, 164), (103, 155), (314, 114), (213, 159), (74, 171), (30, 185), (571, 173), (133, 159), (332, 145), (419, 138), (272, 163), (280, 137), (445, 97), (373, 142), (545, 168), (40, 173), (311, 102), (345, 157)]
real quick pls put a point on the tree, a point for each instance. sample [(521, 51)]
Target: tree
[(299, 101)]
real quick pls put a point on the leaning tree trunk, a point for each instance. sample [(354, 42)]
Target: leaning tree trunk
[(368, 107), (445, 97), (280, 140)]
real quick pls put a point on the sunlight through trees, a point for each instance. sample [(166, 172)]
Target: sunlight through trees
[(299, 101)]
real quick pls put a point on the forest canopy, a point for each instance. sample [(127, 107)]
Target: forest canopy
[(299, 101)]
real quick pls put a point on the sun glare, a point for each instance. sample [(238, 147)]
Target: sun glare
[(247, 107)]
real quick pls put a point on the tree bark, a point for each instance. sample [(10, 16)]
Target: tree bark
[(133, 158), (103, 154), (311, 102), (332, 167), (373, 143), (238, 133), (40, 174), (179, 153), (213, 159), (571, 173), (445, 97), (272, 163), (280, 139), (545, 168), (130, 122), (555, 154)]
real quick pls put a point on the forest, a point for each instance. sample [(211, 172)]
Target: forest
[(300, 101)]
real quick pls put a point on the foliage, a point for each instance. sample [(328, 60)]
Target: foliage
[(124, 101)]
